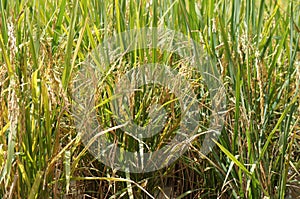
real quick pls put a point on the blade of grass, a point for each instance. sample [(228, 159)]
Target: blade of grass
[(67, 169), (285, 112), (68, 68), (34, 189), (233, 158)]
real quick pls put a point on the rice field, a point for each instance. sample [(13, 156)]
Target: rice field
[(46, 150)]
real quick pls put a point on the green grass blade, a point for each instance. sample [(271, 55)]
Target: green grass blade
[(68, 68), (35, 187)]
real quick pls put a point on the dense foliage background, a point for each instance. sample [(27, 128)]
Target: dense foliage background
[(255, 45)]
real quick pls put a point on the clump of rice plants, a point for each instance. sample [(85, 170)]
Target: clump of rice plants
[(253, 45)]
